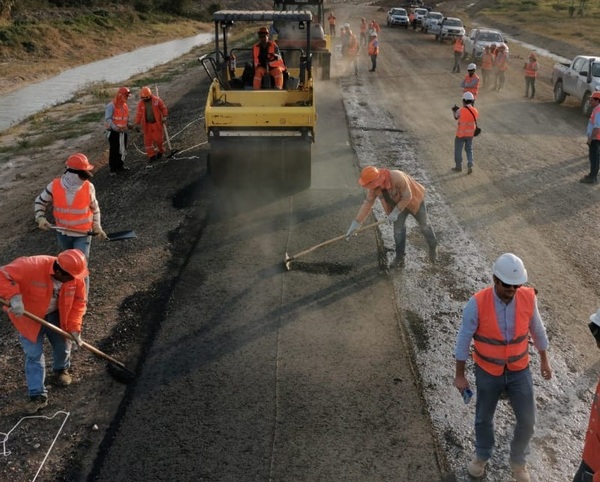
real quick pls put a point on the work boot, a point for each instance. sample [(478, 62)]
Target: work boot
[(36, 402), (588, 180), (159, 156), (457, 169), (397, 263), (433, 253), (470, 170), (476, 467), (151, 159), (520, 472), (63, 378)]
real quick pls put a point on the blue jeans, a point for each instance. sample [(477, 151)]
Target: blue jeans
[(459, 142), (519, 387), (35, 364), (584, 473), (400, 229), (594, 156)]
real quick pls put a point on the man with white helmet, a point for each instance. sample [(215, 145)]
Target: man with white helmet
[(373, 51), (471, 81), (466, 116), (500, 67), (499, 320)]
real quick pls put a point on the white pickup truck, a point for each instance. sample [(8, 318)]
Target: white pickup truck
[(579, 79)]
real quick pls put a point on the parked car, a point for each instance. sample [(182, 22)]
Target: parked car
[(420, 14), (431, 20), (397, 16), (450, 27), (478, 39), (579, 79)]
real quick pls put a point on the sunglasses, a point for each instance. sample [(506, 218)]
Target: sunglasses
[(262, 35), (506, 285)]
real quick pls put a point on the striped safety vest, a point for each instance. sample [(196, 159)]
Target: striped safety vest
[(76, 215)]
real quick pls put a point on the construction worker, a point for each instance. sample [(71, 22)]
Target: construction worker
[(331, 20), (589, 469), (593, 140), (458, 48), (375, 26), (500, 319), (500, 67), (151, 114), (373, 51), (487, 64), (267, 58), (363, 32), (466, 116), (351, 48), (471, 81), (52, 288), (400, 195), (116, 119), (531, 69), (75, 206)]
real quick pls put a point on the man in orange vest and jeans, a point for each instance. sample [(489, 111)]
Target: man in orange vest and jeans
[(116, 121), (466, 116), (266, 58), (500, 319), (458, 48)]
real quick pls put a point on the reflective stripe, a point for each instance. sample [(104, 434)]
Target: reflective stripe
[(493, 341), (77, 215), (502, 361)]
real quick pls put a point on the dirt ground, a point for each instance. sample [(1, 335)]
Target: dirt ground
[(523, 197)]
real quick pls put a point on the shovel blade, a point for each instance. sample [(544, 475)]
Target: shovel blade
[(120, 235)]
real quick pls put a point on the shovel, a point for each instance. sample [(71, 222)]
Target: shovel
[(122, 374), (118, 236), (289, 259)]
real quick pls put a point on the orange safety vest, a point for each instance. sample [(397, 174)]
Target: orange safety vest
[(30, 277), (487, 60), (595, 112), (459, 45), (374, 47), (591, 449), (352, 48), (466, 122), (120, 116), (531, 69), (271, 51), (492, 352), (474, 90), (76, 215), (502, 61), (158, 108), (363, 27), (331, 19)]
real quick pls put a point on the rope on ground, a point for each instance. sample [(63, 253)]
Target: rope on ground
[(173, 137)]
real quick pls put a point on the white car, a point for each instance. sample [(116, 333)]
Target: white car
[(420, 14), (431, 21), (398, 16), (450, 27), (478, 39)]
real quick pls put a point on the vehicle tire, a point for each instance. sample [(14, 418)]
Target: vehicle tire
[(326, 66), (437, 37), (559, 93), (586, 104)]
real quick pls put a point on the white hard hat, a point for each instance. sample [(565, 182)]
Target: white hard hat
[(595, 318), (373, 34), (346, 25), (471, 66), (509, 269), (468, 96)]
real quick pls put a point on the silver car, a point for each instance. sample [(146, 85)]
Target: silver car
[(450, 27), (431, 22), (398, 16)]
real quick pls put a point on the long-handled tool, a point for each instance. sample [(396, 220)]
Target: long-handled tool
[(126, 373), (166, 131), (118, 236), (289, 259)]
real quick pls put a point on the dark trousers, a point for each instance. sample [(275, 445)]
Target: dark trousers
[(456, 66), (373, 62), (594, 159), (584, 474), (115, 161), (530, 82), (423, 221)]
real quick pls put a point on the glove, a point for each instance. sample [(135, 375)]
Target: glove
[(76, 339), (393, 216), (43, 223), (16, 305), (455, 108), (137, 129), (99, 233), (353, 227)]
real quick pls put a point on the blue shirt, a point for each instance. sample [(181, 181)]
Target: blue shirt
[(505, 314)]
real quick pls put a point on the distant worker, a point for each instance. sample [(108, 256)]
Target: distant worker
[(500, 67), (412, 19), (400, 196), (352, 48), (458, 48), (75, 206), (331, 19), (363, 32), (466, 116), (52, 288), (589, 469), (487, 64), (344, 38), (116, 119), (471, 81), (373, 51), (375, 26), (499, 320), (531, 69), (267, 59), (593, 140), (151, 115)]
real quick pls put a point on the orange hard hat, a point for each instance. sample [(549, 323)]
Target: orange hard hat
[(368, 175), (73, 261), (595, 95), (263, 30), (79, 162), (145, 93), (124, 91)]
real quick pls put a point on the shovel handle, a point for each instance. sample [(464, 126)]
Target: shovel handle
[(77, 231), (68, 336)]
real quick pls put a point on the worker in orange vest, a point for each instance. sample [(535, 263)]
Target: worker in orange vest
[(471, 81), (500, 67), (466, 117), (151, 115), (458, 48), (589, 469), (116, 122), (331, 19), (363, 32), (500, 319), (373, 51), (267, 58), (52, 288), (487, 64), (351, 48), (531, 69)]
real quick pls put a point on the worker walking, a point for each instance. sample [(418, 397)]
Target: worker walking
[(589, 469), (458, 48), (151, 115), (331, 19), (363, 32), (267, 59), (401, 196), (500, 67), (593, 140), (466, 117), (52, 288), (471, 81), (531, 70), (500, 319), (116, 120), (373, 51), (487, 64), (351, 48)]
